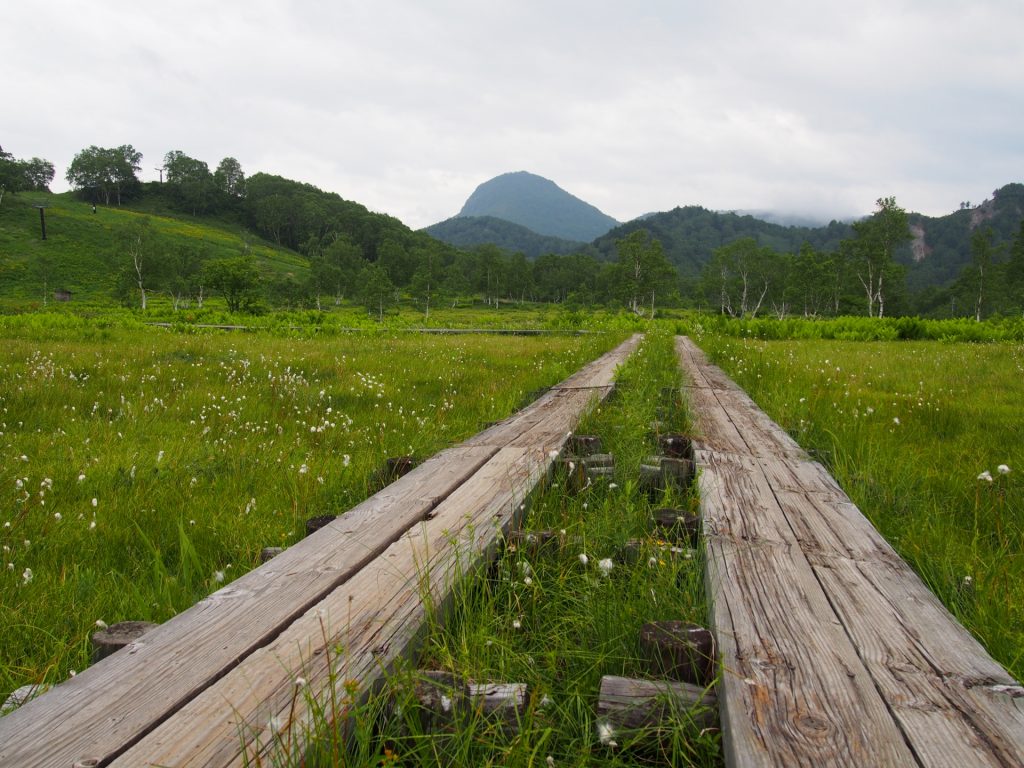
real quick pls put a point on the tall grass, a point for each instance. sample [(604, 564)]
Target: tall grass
[(915, 432), (142, 468)]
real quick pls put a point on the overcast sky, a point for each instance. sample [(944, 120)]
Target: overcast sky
[(805, 107)]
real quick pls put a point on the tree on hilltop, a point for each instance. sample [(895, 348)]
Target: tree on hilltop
[(98, 173), (871, 251)]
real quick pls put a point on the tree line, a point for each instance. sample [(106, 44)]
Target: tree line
[(358, 255)]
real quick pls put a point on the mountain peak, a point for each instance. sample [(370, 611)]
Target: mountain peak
[(539, 204)]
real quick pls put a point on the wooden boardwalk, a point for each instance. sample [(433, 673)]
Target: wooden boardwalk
[(211, 686), (834, 652)]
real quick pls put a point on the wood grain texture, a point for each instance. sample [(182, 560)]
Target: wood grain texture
[(247, 640), (834, 652)]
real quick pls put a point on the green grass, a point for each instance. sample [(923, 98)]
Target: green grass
[(141, 467), (545, 618), (907, 428), (80, 248)]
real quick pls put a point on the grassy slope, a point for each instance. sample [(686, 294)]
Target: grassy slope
[(81, 246)]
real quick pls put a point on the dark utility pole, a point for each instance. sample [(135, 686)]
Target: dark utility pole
[(42, 219)]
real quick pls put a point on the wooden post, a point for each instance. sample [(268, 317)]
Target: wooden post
[(117, 636), (676, 446), (679, 650), (648, 711), (584, 445)]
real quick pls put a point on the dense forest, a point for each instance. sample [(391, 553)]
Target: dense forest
[(735, 265)]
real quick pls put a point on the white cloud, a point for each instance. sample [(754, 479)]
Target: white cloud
[(406, 107)]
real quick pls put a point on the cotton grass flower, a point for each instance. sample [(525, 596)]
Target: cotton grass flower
[(583, 558), (986, 476), (606, 566), (1002, 469)]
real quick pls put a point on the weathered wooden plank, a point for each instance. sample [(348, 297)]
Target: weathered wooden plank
[(374, 617), (105, 707), (816, 612), (631, 709), (793, 690), (947, 694), (112, 705)]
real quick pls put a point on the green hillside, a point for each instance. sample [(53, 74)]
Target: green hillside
[(81, 250), (469, 231)]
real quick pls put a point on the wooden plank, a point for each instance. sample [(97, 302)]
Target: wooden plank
[(375, 616), (793, 690), (112, 705), (94, 714), (816, 612)]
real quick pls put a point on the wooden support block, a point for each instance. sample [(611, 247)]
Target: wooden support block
[(676, 446), (575, 474), (269, 552), (677, 525), (598, 460), (584, 445), (117, 636), (314, 524), (600, 473), (501, 703), (648, 711), (679, 650), (676, 473), (447, 700)]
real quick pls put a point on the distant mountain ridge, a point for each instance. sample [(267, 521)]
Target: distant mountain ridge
[(537, 204)]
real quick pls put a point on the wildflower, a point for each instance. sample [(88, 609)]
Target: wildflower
[(606, 565), (986, 476), (896, 420), (92, 525), (81, 477), (516, 624), (1003, 469), (101, 623), (583, 558), (95, 502), (56, 516), (550, 761), (612, 486), (652, 561), (527, 581), (160, 456), (300, 682), (606, 734), (346, 460), (26, 576), (19, 484), (303, 469)]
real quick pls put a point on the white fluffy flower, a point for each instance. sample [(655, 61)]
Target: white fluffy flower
[(606, 565), (583, 558), (986, 476), (1003, 469)]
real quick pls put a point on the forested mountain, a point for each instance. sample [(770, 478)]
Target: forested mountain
[(469, 231), (689, 235), (537, 204), (941, 247)]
